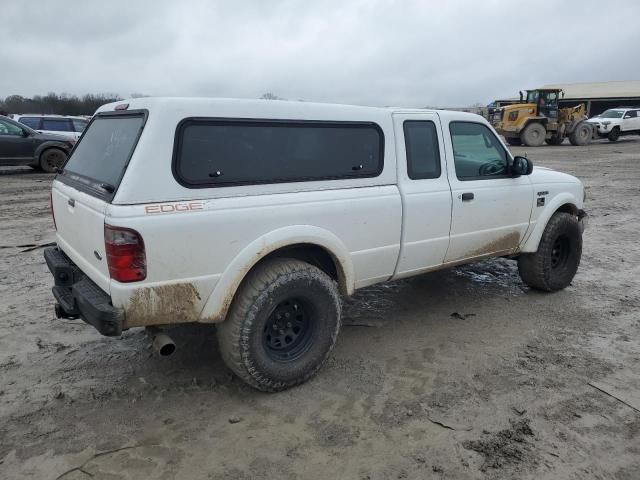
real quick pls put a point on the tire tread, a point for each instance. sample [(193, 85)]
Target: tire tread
[(233, 333), (532, 266)]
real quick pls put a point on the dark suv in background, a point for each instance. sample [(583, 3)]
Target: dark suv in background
[(21, 145), (71, 127)]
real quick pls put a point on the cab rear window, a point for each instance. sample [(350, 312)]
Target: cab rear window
[(216, 153), (101, 157)]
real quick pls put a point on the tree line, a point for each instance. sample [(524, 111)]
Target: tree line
[(62, 104), (65, 104)]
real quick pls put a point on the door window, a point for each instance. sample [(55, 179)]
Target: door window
[(56, 125), (477, 153), (33, 122), (423, 154), (79, 125), (631, 114), (7, 128), (549, 98)]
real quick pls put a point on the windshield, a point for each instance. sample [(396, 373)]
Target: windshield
[(612, 114), (105, 148), (545, 97)]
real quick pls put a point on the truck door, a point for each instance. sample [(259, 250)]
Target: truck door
[(491, 210), (631, 121), (425, 191), (15, 144)]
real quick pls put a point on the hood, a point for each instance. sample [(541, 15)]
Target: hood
[(548, 175), (518, 106), (602, 120)]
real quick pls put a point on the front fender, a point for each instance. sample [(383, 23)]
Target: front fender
[(219, 301), (565, 198)]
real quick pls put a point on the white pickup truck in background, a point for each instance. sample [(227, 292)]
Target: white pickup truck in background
[(258, 215)]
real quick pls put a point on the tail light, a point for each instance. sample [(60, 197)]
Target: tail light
[(53, 215), (125, 254)]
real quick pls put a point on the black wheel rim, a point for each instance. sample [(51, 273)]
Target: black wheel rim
[(53, 160), (560, 252), (288, 330)]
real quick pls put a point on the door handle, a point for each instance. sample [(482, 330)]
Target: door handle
[(467, 197), (71, 202)]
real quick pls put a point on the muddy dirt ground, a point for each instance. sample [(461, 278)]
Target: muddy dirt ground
[(463, 374)]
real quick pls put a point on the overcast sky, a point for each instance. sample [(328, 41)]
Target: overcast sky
[(405, 53)]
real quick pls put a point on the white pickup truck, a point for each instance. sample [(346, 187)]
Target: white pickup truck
[(259, 215)]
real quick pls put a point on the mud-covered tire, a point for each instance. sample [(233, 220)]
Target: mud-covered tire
[(614, 135), (533, 134), (556, 262), (52, 159), (555, 140), (513, 141), (279, 296), (581, 135)]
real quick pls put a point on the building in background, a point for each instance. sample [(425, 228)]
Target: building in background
[(600, 96)]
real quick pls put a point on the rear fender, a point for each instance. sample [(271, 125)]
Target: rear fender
[(219, 301)]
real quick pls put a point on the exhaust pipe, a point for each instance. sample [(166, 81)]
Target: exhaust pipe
[(162, 343)]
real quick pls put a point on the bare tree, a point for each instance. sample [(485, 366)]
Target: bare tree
[(270, 96)]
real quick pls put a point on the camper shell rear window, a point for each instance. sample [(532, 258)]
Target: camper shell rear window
[(98, 161), (210, 152)]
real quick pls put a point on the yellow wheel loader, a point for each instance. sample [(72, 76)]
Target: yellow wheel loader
[(539, 119)]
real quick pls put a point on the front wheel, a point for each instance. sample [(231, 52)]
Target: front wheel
[(581, 135), (282, 325), (614, 135), (556, 262), (533, 135)]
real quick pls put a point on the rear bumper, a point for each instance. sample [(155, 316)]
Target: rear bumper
[(77, 296)]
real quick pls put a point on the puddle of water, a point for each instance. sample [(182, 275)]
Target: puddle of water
[(499, 272), (373, 306)]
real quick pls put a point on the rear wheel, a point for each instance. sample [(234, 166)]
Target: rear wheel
[(533, 135), (581, 135), (52, 159), (556, 262), (282, 325), (614, 135)]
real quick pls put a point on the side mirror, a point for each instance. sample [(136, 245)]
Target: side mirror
[(521, 166), (25, 133)]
